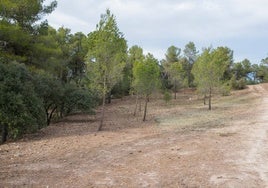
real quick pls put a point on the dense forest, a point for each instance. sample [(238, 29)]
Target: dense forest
[(48, 73)]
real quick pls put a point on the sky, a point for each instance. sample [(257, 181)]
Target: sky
[(155, 25)]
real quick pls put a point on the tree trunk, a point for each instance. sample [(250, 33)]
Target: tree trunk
[(145, 107), (136, 106), (109, 97), (189, 68), (189, 76), (4, 133), (175, 89), (62, 110), (49, 115), (140, 103), (209, 102), (102, 112), (205, 96)]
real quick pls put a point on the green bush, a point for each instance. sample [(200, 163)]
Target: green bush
[(77, 99), (167, 96), (21, 110), (60, 99), (238, 84), (225, 89), (29, 100)]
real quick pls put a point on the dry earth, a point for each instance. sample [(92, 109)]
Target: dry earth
[(181, 145)]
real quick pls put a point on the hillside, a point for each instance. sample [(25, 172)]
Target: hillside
[(181, 145)]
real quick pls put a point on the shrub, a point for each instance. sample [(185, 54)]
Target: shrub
[(167, 96), (225, 89), (241, 83), (21, 110), (238, 84)]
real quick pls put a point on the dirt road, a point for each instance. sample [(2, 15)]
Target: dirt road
[(128, 153), (250, 159)]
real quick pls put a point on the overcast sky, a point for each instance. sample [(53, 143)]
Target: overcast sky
[(241, 25)]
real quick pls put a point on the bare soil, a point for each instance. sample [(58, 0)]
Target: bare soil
[(181, 144)]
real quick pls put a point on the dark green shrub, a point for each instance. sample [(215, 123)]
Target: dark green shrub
[(21, 110)]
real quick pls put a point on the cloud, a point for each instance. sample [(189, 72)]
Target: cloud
[(154, 25), (59, 19), (198, 20)]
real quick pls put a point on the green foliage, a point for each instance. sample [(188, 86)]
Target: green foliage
[(146, 79), (25, 12), (242, 69), (167, 96), (210, 67), (190, 54), (173, 54), (261, 72), (209, 70), (146, 76), (187, 60), (123, 87), (46, 53), (135, 54), (225, 56), (15, 42), (53, 78), (238, 84), (107, 54), (225, 89), (206, 71), (244, 73), (51, 91), (176, 76), (28, 101), (78, 51), (77, 99), (173, 69), (20, 107), (18, 28), (62, 98)]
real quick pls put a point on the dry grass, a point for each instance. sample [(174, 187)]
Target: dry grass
[(184, 114)]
